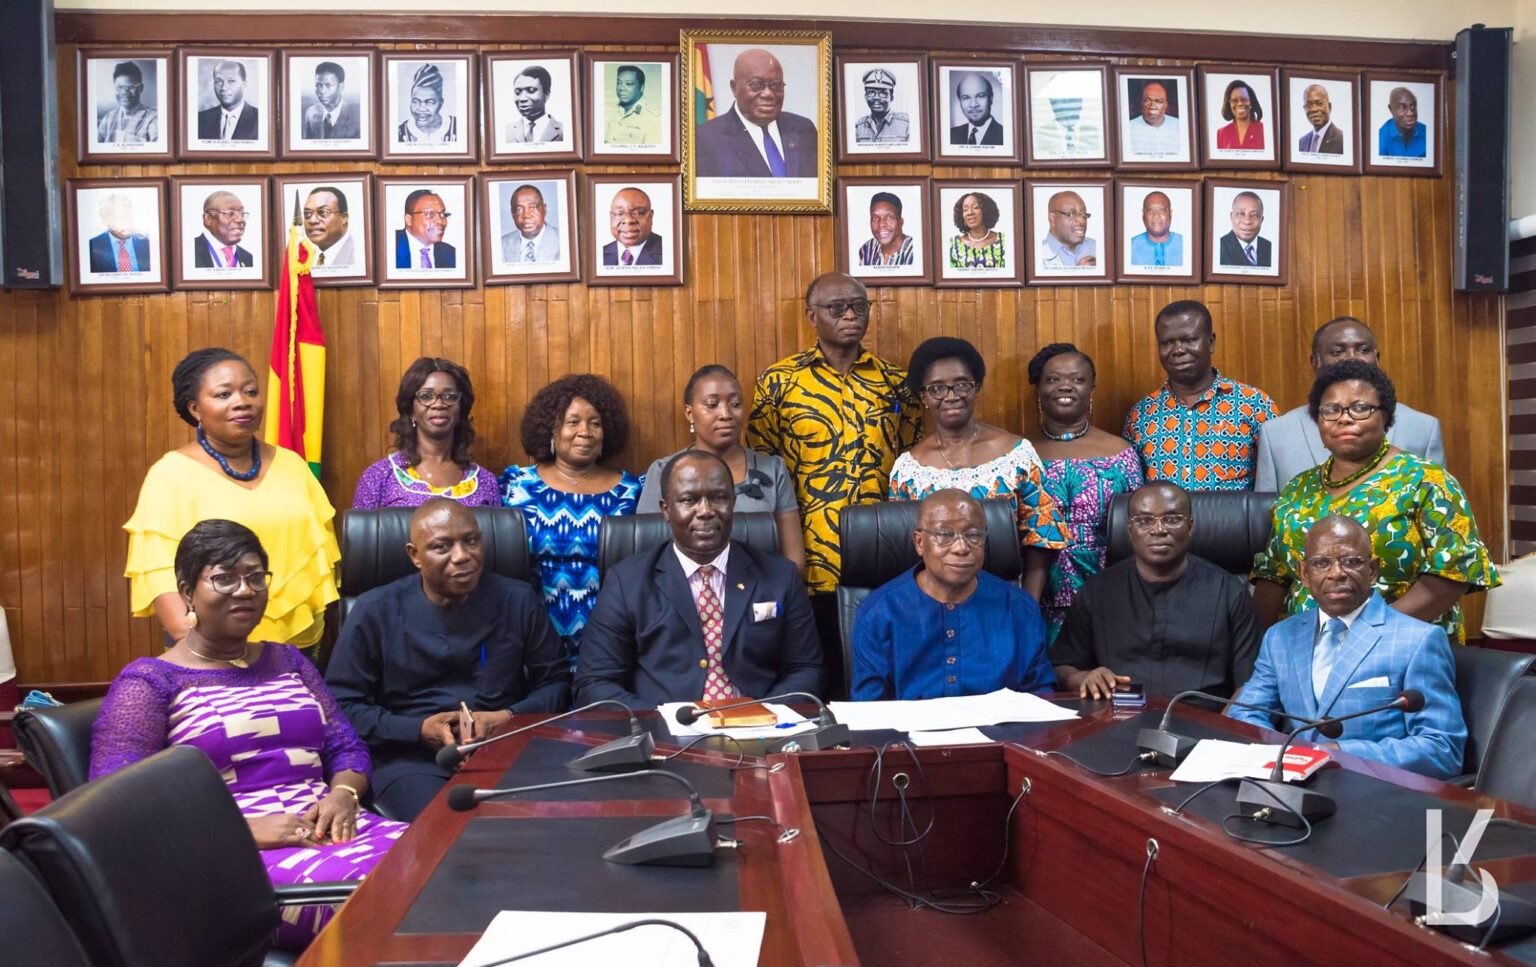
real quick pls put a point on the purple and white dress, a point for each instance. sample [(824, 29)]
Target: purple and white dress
[(392, 483), (275, 734)]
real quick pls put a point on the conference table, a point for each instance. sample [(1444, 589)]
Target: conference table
[(1039, 859)]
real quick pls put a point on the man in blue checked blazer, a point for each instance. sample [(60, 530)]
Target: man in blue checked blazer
[(1356, 653)]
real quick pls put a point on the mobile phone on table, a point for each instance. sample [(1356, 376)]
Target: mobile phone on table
[(1133, 695)]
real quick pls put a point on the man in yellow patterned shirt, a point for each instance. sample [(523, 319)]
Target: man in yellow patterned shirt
[(838, 416)]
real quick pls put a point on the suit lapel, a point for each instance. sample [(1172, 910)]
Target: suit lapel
[(740, 585), (1359, 643), (746, 149), (1309, 435), (675, 587), (1300, 672)]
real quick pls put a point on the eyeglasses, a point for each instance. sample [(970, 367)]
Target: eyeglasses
[(944, 538), (757, 86), (432, 216), (1072, 216), (632, 213), (426, 397), (1357, 411), (961, 389), (840, 308), (1322, 565), (1145, 522), (228, 582), (321, 213), (232, 214)]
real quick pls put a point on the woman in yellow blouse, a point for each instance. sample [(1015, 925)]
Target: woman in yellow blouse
[(228, 473)]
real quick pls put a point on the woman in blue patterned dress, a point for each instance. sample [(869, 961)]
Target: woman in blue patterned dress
[(570, 429), (1084, 468)]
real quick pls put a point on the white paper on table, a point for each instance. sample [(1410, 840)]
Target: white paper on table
[(936, 714), (790, 723), (732, 939), (1213, 759), (951, 737)]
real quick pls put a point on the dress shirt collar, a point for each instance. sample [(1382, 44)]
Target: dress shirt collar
[(1324, 617), (691, 567), (335, 247), (1219, 386), (217, 248), (755, 131), (232, 115), (418, 244), (980, 129)]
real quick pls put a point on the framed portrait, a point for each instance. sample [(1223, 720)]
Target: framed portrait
[(978, 113), (117, 235), (220, 237), (534, 102), (1402, 121), (228, 103), (1246, 235), (1322, 121), (632, 107), (882, 107), (1069, 231), (329, 105), (977, 232), (1241, 116), (126, 105), (882, 230), (1155, 114), (430, 99), (1067, 111), (634, 234), (424, 231), (529, 227), (1158, 230), (334, 212), (757, 120)]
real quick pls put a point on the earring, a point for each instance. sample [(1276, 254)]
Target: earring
[(413, 424), (691, 431), (191, 618)]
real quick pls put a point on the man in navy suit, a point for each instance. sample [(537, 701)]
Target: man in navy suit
[(224, 218), (701, 616), (232, 119), (1354, 653), (757, 138), (1242, 246), (630, 217), (119, 248), (420, 245)]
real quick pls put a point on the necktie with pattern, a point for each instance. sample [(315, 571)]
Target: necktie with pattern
[(628, 258), (775, 158), (1323, 654), (426, 258), (972, 138), (229, 256), (320, 260), (1252, 259), (528, 250), (124, 261), (717, 685), (228, 130)]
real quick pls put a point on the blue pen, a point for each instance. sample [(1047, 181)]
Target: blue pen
[(786, 725)]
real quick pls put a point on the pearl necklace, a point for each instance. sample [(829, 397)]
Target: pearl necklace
[(1331, 484), (969, 443), (1068, 436), (202, 439)]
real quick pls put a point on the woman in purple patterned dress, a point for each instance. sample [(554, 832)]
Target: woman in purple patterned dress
[(433, 434), (292, 761), (1084, 468)]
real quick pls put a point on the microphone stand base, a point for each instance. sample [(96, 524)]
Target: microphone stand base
[(630, 750), (1169, 747), (819, 739), (1283, 802), (687, 840), (1461, 894)]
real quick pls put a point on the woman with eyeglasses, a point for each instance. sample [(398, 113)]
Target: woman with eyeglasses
[(433, 436), (716, 414), (226, 472), (1421, 529), (962, 453)]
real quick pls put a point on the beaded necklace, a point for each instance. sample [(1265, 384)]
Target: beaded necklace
[(1331, 484), (229, 471), (1068, 436)]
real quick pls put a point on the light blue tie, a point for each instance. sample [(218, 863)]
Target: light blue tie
[(1323, 654)]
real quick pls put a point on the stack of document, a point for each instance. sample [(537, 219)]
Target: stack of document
[(732, 939), (933, 714), (790, 723)]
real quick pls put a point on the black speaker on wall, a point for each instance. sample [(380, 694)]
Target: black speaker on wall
[(31, 218), (1481, 257)]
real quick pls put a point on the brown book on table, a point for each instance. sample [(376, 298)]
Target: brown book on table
[(747, 716)]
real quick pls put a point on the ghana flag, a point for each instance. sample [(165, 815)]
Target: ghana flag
[(296, 379), (703, 88)]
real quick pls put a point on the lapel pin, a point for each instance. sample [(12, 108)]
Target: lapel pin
[(741, 587)]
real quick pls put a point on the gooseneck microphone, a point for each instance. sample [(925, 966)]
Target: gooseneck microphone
[(1274, 800), (636, 748), (1170, 748), (704, 960), (829, 732), (681, 841)]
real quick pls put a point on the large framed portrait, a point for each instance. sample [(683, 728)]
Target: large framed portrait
[(1322, 121), (1241, 126), (424, 230), (1155, 115), (1402, 123), (757, 120), (126, 109), (1067, 112), (1246, 235), (220, 237), (882, 107), (430, 100), (1069, 231), (334, 212), (1158, 228), (978, 232), (634, 233), (329, 105), (529, 227), (632, 107), (978, 113), (117, 235), (228, 103), (534, 102), (882, 230)]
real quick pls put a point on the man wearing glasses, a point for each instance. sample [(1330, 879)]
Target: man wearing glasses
[(420, 245), (947, 627), (218, 246), (838, 416), (326, 223), (1163, 618), (630, 217), (757, 138), (1066, 244)]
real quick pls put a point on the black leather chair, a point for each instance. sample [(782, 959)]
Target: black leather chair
[(154, 865), (57, 742), (32, 929), (1508, 769), (630, 534), (1485, 678), (877, 546), (1230, 527)]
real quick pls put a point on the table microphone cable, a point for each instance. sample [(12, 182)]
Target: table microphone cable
[(1140, 758), (1306, 825), (740, 752)]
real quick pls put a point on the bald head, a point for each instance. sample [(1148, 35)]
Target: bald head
[(1067, 217), (951, 499), (447, 548), (951, 539), (757, 85), (1338, 566)]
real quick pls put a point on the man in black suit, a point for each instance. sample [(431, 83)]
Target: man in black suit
[(420, 245), (1242, 246), (975, 95), (120, 248), (757, 138), (218, 246), (1324, 137), (630, 217), (232, 119), (700, 616), (330, 117)]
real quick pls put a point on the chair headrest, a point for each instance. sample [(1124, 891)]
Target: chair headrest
[(877, 541), (373, 546), (1230, 527), (630, 534), (57, 742)]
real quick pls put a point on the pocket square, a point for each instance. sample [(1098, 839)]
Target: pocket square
[(1380, 681), (764, 610)]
